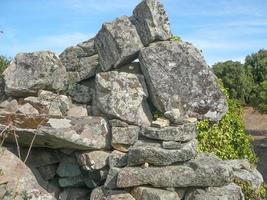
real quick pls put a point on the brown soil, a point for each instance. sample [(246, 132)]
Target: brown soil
[(256, 125)]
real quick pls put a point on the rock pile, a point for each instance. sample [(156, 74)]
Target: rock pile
[(87, 118)]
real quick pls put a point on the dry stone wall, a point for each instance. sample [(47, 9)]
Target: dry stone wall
[(83, 122)]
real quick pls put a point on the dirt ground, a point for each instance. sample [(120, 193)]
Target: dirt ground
[(256, 125)]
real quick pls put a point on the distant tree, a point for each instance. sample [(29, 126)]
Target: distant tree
[(256, 64), (235, 79)]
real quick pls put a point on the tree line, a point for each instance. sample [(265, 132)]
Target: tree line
[(246, 82)]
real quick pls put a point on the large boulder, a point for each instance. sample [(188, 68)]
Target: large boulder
[(151, 21), (204, 171), (17, 181), (31, 72), (81, 61), (117, 43), (178, 77), (230, 191), (2, 88), (122, 95)]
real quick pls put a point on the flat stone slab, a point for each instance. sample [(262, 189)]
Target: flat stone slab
[(117, 43), (178, 78), (180, 133), (157, 156), (83, 133), (230, 191), (201, 172)]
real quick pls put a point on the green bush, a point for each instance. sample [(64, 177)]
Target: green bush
[(4, 62), (227, 139)]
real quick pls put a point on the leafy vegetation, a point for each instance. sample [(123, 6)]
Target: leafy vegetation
[(4, 62), (246, 82)]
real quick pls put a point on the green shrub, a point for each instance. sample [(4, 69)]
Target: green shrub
[(176, 38), (4, 62)]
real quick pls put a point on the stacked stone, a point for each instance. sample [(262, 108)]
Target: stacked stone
[(93, 106)]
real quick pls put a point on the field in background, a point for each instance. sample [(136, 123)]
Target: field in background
[(256, 125)]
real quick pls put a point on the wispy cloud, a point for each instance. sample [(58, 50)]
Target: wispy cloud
[(55, 43)]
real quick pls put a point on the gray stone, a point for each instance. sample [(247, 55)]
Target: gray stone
[(9, 106), (173, 114), (77, 111), (151, 21), (244, 172), (179, 78), (117, 123), (147, 193), (76, 181), (93, 160), (157, 156), (31, 72), (117, 43), (68, 167), (171, 145), (81, 61), (201, 172), (48, 172), (111, 181), (160, 123), (180, 133), (125, 135), (83, 133), (80, 93), (124, 196), (123, 96), (74, 194), (18, 180), (2, 88), (88, 46), (27, 109), (101, 193), (118, 159), (229, 192)]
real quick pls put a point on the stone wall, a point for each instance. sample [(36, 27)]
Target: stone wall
[(114, 117)]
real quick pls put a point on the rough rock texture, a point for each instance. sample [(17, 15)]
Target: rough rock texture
[(93, 160), (151, 21), (230, 192), (27, 109), (80, 93), (118, 159), (2, 88), (77, 133), (123, 96), (178, 77), (201, 172), (117, 43), (14, 175), (100, 193), (153, 154), (31, 72), (181, 133), (125, 135), (147, 193)]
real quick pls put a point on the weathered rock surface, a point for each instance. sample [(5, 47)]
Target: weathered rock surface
[(74, 194), (231, 192), (82, 133), (125, 135), (151, 22), (201, 172), (118, 159), (9, 106), (180, 133), (2, 88), (157, 156), (14, 175), (123, 96), (27, 109), (178, 77), (117, 43), (77, 111), (31, 72), (93, 160), (147, 193), (100, 193), (80, 93), (68, 167)]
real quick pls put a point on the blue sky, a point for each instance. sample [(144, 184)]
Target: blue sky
[(223, 29)]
